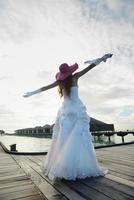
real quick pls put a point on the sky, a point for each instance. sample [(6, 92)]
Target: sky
[(37, 36)]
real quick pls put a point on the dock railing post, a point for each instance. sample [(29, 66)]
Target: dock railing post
[(13, 147)]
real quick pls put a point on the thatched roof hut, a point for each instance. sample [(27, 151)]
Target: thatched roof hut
[(97, 125)]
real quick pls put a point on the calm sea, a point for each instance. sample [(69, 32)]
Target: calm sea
[(35, 144)]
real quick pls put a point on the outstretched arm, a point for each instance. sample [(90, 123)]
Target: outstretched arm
[(49, 86), (93, 63), (84, 71), (28, 94)]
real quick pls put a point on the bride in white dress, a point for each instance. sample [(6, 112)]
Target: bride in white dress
[(71, 154)]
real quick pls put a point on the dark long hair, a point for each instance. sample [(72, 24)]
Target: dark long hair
[(65, 85)]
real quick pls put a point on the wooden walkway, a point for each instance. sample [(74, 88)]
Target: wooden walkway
[(118, 184), (14, 183)]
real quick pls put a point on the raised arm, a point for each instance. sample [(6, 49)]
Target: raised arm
[(93, 63), (28, 94), (84, 71)]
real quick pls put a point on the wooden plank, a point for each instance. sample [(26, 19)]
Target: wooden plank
[(10, 173), (119, 149), (36, 158), (119, 175), (5, 170), (115, 154), (13, 189), (115, 185), (121, 168), (67, 191), (34, 161), (86, 192), (118, 154), (106, 189), (120, 180), (48, 190), (14, 184), (34, 197), (18, 194), (114, 170), (9, 166), (58, 186), (14, 177), (72, 191), (116, 160)]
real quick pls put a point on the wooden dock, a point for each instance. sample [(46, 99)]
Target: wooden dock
[(14, 183), (118, 184)]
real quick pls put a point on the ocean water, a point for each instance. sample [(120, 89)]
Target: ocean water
[(26, 144), (38, 144)]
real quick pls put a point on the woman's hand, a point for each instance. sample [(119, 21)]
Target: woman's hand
[(28, 94), (106, 56), (99, 60)]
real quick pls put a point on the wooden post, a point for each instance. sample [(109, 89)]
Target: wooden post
[(109, 134), (122, 134), (13, 147)]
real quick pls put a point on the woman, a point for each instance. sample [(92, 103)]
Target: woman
[(71, 154)]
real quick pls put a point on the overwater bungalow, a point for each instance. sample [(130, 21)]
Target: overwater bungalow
[(95, 125)]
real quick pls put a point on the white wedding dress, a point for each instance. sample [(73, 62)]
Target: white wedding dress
[(71, 154)]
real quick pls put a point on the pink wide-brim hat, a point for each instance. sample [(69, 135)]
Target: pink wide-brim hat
[(65, 70)]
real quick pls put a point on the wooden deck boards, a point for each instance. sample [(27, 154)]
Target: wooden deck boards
[(14, 183), (118, 184)]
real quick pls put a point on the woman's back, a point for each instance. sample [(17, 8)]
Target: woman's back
[(73, 92)]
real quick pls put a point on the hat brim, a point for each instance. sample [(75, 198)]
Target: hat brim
[(62, 76)]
